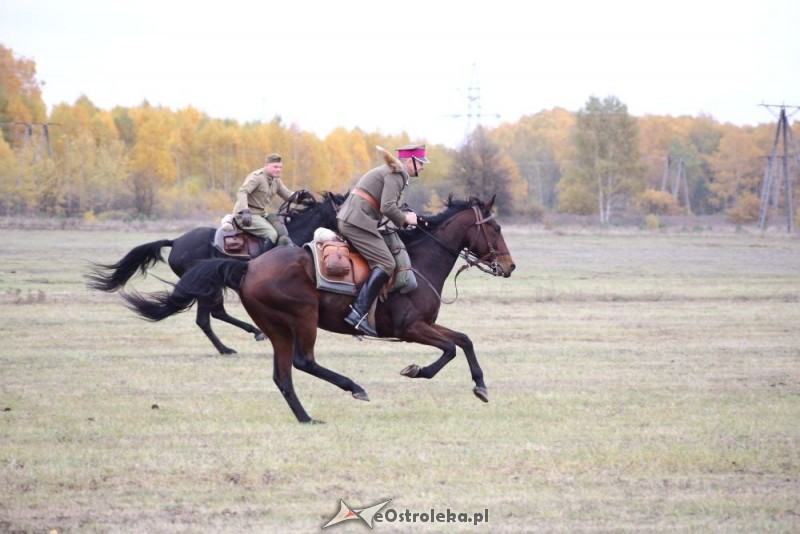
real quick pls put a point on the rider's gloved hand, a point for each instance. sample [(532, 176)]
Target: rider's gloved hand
[(411, 218), (247, 218)]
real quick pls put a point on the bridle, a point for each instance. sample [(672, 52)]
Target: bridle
[(298, 198), (488, 262)]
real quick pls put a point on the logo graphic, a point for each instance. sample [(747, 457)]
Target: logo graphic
[(365, 514)]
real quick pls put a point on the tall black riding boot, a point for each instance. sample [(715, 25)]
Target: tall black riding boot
[(360, 308)]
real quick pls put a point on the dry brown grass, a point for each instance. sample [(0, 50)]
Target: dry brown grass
[(645, 381)]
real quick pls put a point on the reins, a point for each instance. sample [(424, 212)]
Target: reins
[(298, 198)]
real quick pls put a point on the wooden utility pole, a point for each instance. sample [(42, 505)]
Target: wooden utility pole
[(771, 187)]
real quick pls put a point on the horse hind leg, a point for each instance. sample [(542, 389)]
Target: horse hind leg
[(219, 312), (303, 359), (216, 308), (203, 320)]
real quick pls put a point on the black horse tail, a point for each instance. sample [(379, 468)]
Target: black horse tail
[(108, 278), (206, 280)]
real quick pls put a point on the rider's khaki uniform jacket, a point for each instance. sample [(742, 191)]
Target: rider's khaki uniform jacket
[(257, 192), (386, 186)]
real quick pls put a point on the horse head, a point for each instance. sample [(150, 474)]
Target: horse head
[(484, 245), (312, 215), (468, 228)]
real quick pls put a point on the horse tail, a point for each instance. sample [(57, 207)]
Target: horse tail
[(110, 277), (206, 280)]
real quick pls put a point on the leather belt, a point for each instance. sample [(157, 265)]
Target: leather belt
[(369, 198)]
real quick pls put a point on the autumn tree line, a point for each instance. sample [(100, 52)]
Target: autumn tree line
[(154, 162)]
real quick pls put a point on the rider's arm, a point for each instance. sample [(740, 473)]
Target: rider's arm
[(243, 194), (390, 196), (284, 192)]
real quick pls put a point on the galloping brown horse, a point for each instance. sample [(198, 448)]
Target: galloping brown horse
[(278, 290)]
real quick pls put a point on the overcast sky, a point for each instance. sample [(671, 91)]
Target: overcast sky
[(420, 66)]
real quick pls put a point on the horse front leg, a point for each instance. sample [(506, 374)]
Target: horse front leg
[(465, 343), (446, 340)]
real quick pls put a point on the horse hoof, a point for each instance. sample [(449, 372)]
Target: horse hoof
[(481, 393), (261, 336), (227, 351), (361, 395), (411, 371), (312, 422)]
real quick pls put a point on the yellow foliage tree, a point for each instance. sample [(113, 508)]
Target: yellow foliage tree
[(607, 158), (746, 209), (151, 162), (181, 141), (738, 165), (314, 166), (90, 155), (657, 203), (540, 147), (20, 92), (343, 165)]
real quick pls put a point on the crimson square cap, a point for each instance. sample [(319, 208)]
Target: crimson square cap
[(413, 151)]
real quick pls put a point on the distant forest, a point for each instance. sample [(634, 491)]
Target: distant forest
[(155, 162)]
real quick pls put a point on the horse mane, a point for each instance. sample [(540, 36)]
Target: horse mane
[(409, 237), (327, 196), (336, 198), (452, 207)]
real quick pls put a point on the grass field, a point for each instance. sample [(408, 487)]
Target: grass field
[(646, 381)]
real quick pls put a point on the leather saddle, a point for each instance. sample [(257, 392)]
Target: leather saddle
[(339, 268), (232, 240)]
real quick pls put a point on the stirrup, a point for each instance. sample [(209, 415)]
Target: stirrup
[(365, 327)]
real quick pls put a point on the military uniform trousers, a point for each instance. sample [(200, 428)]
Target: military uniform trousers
[(371, 245), (260, 227)]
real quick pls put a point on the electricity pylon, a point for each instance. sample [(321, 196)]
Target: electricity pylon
[(771, 187)]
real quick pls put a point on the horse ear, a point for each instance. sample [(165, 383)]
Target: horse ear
[(488, 206)]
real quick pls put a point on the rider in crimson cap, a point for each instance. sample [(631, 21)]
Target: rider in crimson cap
[(415, 152), (375, 196)]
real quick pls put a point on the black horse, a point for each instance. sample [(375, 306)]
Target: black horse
[(279, 292), (197, 244)]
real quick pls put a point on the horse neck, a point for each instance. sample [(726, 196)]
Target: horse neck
[(302, 227), (430, 256)]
